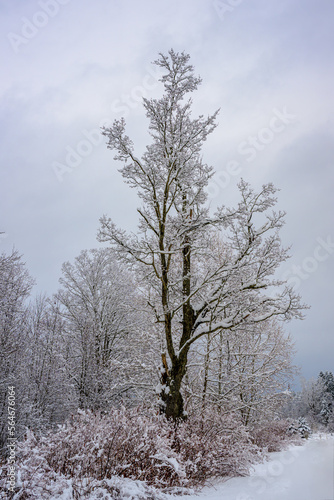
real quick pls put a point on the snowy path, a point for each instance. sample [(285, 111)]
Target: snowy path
[(299, 473)]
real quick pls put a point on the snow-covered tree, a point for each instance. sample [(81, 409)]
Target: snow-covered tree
[(327, 399), (326, 410), (328, 380), (49, 396), (102, 323), (176, 226), (315, 402), (15, 288), (309, 400), (247, 369), (303, 428)]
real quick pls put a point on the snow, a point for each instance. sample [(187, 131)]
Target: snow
[(298, 473)]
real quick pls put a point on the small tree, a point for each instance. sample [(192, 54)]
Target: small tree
[(190, 293), (303, 428)]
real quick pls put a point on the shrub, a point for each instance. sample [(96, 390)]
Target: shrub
[(215, 446), (273, 436), (92, 450), (124, 443)]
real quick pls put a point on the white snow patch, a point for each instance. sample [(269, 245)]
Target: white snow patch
[(298, 473)]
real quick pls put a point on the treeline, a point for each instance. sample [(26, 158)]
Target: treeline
[(314, 403), (85, 347), (86, 367), (93, 346)]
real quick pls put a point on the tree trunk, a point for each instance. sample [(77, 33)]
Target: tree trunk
[(172, 399), (206, 372), (174, 402), (171, 380)]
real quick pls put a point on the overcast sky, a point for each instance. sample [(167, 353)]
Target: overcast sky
[(70, 66)]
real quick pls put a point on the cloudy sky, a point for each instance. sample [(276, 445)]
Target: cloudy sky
[(70, 66)]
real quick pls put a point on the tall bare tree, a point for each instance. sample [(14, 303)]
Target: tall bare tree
[(175, 228)]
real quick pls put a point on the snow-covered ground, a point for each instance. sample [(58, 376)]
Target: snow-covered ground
[(299, 473)]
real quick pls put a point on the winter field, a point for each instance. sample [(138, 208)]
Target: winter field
[(298, 473)]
